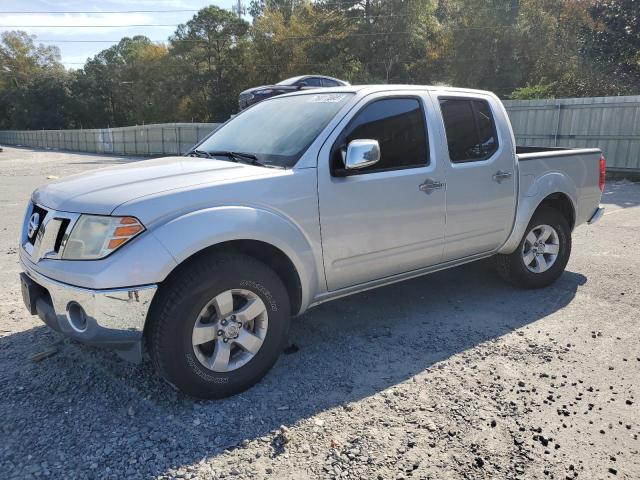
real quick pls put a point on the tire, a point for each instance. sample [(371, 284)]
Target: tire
[(177, 325), (514, 267)]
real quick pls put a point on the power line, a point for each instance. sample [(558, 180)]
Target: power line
[(494, 27), (92, 26), (189, 40), (494, 88), (325, 64), (371, 17), (299, 37), (105, 12), (351, 8), (445, 28)]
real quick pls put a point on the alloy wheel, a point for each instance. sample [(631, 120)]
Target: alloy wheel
[(541, 248), (230, 330)]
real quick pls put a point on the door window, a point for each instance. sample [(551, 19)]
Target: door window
[(399, 127), (470, 128), (311, 82), (327, 82)]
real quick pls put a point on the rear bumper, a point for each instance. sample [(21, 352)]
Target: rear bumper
[(597, 215), (112, 318)]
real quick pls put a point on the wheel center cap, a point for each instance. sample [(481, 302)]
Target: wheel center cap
[(231, 330)]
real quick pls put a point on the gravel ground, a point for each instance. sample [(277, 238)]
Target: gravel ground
[(454, 375)]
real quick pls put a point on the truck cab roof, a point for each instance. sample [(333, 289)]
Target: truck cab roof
[(369, 89)]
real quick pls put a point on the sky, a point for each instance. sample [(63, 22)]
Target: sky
[(103, 29)]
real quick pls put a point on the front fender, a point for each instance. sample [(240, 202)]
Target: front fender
[(190, 233), (143, 261), (536, 193)]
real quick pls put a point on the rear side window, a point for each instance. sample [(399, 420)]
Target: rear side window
[(329, 83), (312, 82), (398, 126), (470, 127)]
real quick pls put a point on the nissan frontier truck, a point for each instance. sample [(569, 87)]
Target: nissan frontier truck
[(201, 260)]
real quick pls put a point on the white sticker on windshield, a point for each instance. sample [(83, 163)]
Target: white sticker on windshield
[(327, 98)]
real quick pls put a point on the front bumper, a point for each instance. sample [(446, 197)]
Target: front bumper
[(113, 318)]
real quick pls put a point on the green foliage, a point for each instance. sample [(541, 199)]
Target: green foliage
[(114, 84), (517, 48), (612, 45), (532, 92), (34, 87), (210, 51)]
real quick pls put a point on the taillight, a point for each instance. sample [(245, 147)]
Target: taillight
[(603, 171)]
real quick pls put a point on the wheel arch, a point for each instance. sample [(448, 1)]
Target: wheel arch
[(559, 199), (265, 235), (266, 253)]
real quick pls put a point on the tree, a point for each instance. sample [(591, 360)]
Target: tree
[(395, 41), (34, 86), (288, 41), (211, 53), (521, 48), (612, 45), (126, 84), (286, 7)]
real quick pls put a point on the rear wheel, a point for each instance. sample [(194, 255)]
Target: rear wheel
[(542, 254), (219, 325)]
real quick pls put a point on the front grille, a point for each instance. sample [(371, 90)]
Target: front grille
[(42, 213), (47, 241)]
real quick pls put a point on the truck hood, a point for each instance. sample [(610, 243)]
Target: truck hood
[(101, 191)]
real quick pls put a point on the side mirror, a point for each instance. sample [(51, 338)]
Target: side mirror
[(301, 84), (361, 153)]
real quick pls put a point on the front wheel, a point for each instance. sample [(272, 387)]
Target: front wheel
[(542, 254), (219, 325)]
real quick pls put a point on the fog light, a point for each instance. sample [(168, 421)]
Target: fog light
[(77, 317)]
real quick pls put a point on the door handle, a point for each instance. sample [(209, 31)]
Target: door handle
[(430, 185), (500, 175)]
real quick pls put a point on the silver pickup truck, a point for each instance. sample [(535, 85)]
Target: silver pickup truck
[(201, 260)]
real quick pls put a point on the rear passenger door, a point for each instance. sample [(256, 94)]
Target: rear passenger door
[(481, 183)]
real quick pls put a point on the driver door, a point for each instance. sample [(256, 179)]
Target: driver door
[(388, 218)]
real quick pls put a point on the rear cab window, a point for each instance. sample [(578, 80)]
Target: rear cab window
[(470, 128)]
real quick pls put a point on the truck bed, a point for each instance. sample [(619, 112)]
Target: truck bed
[(528, 152), (577, 167)]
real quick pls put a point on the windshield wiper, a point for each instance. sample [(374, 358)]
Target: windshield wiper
[(241, 157), (199, 153)]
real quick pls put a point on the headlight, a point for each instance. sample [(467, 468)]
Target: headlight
[(95, 236), (264, 92)]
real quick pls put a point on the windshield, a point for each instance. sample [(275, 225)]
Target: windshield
[(277, 131)]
